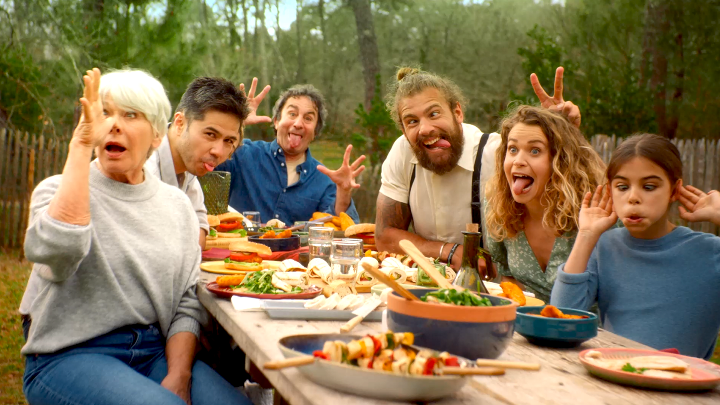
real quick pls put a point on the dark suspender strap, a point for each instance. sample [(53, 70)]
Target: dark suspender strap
[(412, 180), (476, 198)]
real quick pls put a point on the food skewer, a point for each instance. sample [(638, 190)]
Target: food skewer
[(518, 365), (387, 280), (287, 363), (429, 268), (472, 371)]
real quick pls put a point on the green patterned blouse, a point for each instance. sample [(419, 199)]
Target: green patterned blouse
[(514, 258)]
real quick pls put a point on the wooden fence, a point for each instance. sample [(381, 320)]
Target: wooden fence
[(25, 160)]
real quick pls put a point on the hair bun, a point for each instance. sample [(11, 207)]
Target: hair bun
[(406, 71)]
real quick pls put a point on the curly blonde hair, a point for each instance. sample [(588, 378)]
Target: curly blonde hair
[(576, 169)]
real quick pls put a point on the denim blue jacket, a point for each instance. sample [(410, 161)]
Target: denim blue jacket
[(259, 183)]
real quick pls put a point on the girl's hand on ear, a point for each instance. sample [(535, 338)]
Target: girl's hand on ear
[(597, 214), (698, 206)]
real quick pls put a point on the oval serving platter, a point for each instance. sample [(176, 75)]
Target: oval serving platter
[(363, 382)]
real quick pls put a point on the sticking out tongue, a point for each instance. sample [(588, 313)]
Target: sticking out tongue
[(441, 143), (520, 183), (295, 141), (208, 167)]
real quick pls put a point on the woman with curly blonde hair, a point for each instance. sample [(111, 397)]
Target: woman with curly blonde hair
[(544, 167)]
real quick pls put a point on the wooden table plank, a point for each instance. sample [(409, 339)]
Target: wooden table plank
[(561, 380)]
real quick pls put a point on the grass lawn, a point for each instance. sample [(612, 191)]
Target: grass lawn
[(330, 153), (14, 273)]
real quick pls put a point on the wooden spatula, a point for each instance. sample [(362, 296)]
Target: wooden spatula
[(424, 264)]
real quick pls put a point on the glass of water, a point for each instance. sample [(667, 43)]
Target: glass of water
[(346, 254), (320, 242), (254, 217)]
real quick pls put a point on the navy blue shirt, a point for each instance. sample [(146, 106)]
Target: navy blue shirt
[(258, 182)]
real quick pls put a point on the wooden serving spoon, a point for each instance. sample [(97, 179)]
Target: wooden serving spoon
[(425, 264), (388, 281)]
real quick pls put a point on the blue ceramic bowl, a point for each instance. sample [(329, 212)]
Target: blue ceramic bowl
[(470, 332), (278, 245), (555, 332)]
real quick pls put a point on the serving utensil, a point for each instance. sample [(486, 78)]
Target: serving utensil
[(361, 313), (387, 280), (425, 264)]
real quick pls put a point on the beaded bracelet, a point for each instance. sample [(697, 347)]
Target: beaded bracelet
[(452, 252)]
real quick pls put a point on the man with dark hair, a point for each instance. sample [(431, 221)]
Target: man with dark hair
[(435, 174), (281, 179), (205, 130)]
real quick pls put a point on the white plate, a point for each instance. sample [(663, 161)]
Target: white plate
[(295, 309)]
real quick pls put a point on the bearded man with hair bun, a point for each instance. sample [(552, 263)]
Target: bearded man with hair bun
[(435, 174)]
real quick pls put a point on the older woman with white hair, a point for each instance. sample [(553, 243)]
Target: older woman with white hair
[(117, 318)]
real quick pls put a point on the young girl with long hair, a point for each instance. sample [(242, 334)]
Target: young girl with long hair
[(654, 282), (544, 166)]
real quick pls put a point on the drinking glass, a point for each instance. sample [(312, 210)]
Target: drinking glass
[(254, 217), (320, 242), (346, 254)]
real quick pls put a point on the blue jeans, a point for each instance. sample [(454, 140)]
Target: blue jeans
[(125, 366)]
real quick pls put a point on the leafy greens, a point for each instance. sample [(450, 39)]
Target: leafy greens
[(260, 282), (455, 297)]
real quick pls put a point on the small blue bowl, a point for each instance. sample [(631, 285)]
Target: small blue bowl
[(554, 332), (470, 332)]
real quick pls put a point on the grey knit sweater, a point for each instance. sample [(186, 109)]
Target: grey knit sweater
[(137, 262)]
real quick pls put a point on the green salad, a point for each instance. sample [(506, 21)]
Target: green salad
[(260, 282), (455, 297), (424, 280)]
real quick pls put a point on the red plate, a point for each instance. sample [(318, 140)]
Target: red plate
[(225, 292), (705, 375)]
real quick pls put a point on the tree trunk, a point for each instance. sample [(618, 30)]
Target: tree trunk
[(246, 31), (660, 24), (368, 47), (260, 39), (677, 97), (300, 75)]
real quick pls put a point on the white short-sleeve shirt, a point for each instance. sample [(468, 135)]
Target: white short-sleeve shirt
[(440, 204)]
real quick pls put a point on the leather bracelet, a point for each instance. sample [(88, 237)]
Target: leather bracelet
[(452, 252), (441, 249)]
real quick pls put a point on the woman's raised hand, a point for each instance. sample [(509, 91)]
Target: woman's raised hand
[(597, 214), (698, 206), (93, 125)]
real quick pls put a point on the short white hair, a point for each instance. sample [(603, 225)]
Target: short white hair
[(138, 91)]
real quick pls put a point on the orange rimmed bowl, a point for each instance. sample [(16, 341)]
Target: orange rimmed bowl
[(470, 332)]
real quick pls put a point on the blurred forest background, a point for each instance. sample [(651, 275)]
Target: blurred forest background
[(631, 65)]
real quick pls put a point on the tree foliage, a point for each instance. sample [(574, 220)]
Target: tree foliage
[(631, 65)]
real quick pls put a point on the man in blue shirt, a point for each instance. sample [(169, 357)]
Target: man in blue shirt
[(281, 179)]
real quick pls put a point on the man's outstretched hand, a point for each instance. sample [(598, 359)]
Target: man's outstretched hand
[(344, 177), (254, 102)]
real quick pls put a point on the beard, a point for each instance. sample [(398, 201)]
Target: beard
[(440, 167)]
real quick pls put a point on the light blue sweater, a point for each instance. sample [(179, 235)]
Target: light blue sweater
[(664, 293)]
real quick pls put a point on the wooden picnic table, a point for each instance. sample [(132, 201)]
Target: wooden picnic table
[(561, 380)]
